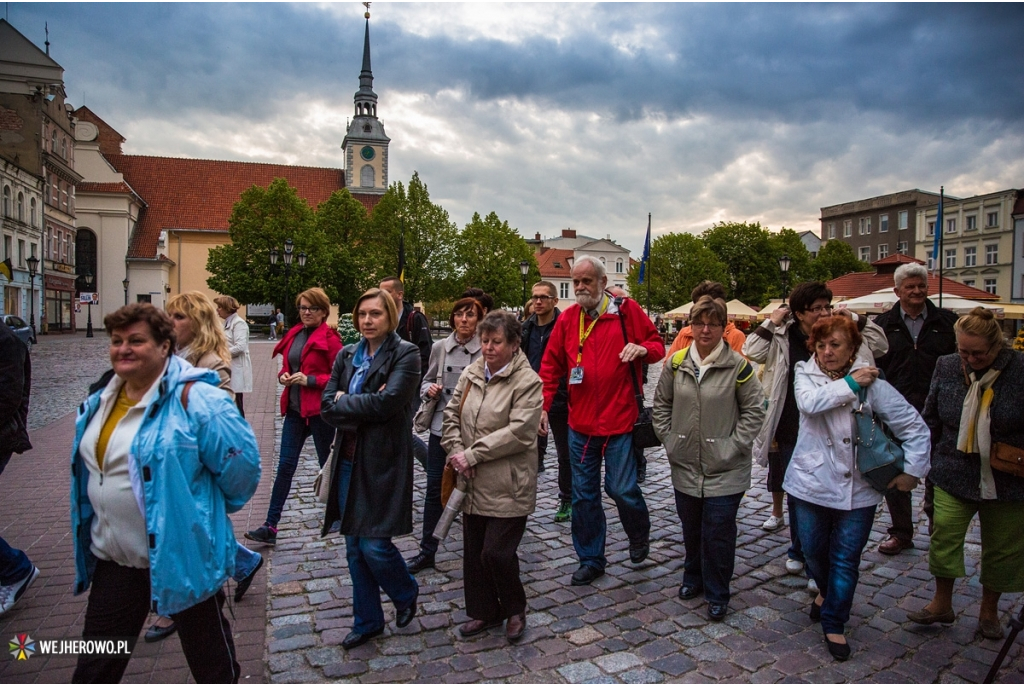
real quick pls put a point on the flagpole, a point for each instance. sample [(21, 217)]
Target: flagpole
[(940, 230), (649, 274)]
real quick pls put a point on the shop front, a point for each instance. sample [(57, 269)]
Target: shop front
[(60, 300)]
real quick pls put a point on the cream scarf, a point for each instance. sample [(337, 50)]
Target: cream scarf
[(975, 435), (699, 365)]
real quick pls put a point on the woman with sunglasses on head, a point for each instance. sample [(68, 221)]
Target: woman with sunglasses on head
[(309, 351), (974, 409)]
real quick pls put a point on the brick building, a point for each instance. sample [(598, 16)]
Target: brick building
[(879, 226)]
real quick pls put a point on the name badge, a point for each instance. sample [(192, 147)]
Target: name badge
[(576, 376)]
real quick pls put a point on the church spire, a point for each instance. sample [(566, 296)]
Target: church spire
[(366, 99), (366, 144)]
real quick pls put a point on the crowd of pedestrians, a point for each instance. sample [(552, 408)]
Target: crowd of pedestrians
[(162, 452)]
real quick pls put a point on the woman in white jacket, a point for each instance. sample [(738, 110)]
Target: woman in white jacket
[(834, 504), (237, 331)]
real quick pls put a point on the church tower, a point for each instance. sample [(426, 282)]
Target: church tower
[(366, 144)]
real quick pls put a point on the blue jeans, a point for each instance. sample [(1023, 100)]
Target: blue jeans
[(245, 562), (293, 436), (374, 565), (14, 564), (432, 508), (832, 541), (709, 537), (588, 519)]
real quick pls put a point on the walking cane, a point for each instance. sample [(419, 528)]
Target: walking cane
[(1016, 625)]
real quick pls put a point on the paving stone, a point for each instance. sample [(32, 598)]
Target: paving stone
[(674, 665), (613, 663), (580, 672)]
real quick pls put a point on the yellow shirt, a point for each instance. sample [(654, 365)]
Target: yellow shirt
[(120, 410)]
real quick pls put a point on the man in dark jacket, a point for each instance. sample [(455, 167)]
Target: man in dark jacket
[(536, 331), (16, 571), (918, 333)]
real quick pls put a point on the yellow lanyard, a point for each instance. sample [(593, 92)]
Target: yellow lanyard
[(586, 334)]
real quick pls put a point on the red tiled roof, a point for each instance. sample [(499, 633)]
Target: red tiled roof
[(201, 193), (898, 258), (546, 263), (855, 285)]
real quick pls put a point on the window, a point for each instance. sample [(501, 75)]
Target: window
[(931, 228), (993, 219), (563, 291), (950, 225), (883, 223), (7, 247), (847, 228), (865, 254), (64, 147), (971, 256), (21, 207), (931, 264), (831, 230), (969, 282), (7, 200), (883, 250), (990, 285), (366, 176), (992, 254), (32, 211), (618, 266), (951, 259), (972, 222), (53, 140), (901, 247), (865, 225), (21, 253), (902, 218)]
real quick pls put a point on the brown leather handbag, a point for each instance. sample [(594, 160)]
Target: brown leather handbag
[(1007, 458)]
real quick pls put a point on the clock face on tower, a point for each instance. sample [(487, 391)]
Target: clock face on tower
[(367, 153)]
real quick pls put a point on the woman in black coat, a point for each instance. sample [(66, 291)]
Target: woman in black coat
[(369, 399)]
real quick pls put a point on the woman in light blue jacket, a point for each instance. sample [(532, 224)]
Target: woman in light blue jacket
[(161, 457)]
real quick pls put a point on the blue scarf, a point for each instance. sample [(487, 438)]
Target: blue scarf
[(361, 363)]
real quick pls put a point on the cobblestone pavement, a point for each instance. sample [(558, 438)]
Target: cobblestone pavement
[(63, 368), (629, 626)]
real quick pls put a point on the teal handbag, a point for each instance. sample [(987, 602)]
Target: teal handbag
[(879, 454)]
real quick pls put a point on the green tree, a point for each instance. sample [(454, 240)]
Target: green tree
[(345, 227), (489, 255), (679, 261), (746, 251), (836, 259), (262, 219), (431, 264)]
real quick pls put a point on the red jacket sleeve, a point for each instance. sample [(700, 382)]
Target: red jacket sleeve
[(554, 364)]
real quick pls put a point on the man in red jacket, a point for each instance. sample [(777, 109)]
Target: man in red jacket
[(587, 344)]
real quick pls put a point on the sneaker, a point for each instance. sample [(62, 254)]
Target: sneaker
[(794, 567), (564, 512), (772, 523), (10, 594), (264, 534), (812, 587)]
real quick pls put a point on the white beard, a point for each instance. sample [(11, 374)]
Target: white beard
[(588, 302)]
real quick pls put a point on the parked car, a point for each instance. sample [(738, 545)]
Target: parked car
[(20, 328)]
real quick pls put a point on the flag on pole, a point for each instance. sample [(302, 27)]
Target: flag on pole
[(938, 236), (401, 254), (647, 252), (7, 269)]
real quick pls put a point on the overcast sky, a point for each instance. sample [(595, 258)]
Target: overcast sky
[(575, 115)]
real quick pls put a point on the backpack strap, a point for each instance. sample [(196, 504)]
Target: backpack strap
[(184, 394), (678, 357)]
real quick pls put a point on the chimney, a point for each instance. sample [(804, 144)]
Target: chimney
[(537, 237), (568, 233)]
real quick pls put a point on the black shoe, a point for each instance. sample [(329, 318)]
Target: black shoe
[(638, 551), (244, 583), (585, 575), (690, 591), (717, 612), (420, 562), (405, 616), (815, 612), (839, 652), (264, 534), (641, 473), (354, 639), (157, 633)]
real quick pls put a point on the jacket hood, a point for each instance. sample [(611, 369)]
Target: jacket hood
[(475, 371)]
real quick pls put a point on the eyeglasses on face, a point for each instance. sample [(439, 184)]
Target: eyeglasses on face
[(821, 309), (541, 298), (972, 354), (304, 309), (706, 326)]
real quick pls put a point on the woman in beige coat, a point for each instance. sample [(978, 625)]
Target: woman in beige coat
[(707, 410), (490, 435)]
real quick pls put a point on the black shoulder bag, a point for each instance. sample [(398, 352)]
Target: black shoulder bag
[(643, 430)]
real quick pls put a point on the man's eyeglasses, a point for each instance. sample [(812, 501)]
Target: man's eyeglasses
[(541, 298), (309, 309)]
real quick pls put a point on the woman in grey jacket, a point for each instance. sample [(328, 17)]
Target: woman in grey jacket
[(448, 358), (707, 410)]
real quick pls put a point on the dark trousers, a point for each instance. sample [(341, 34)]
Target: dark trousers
[(432, 508), (493, 588), (293, 436), (118, 605), (709, 538), (14, 564), (558, 425), (901, 510), (238, 403)]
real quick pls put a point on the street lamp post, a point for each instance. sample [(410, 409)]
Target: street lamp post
[(125, 284), (524, 269), (784, 262), (33, 269), (289, 248), (88, 286)]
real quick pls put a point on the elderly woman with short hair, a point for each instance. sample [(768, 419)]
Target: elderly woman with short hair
[(975, 404), (490, 434), (237, 331), (707, 410)]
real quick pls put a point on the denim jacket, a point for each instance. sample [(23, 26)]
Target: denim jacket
[(189, 469)]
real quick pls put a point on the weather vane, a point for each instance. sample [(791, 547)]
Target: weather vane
[(367, 6)]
